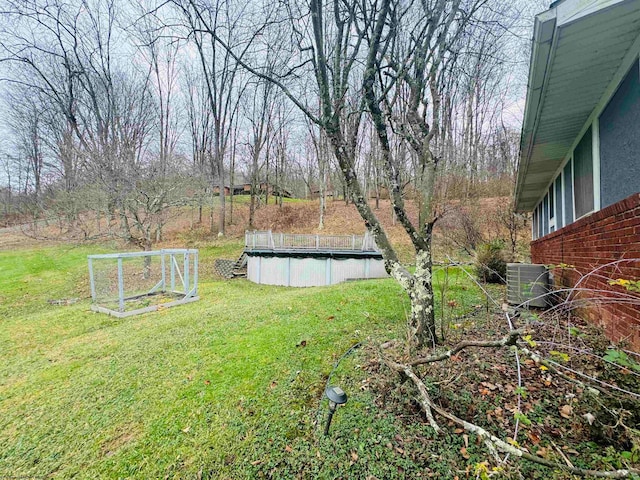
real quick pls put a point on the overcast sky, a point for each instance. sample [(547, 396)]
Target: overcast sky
[(515, 84)]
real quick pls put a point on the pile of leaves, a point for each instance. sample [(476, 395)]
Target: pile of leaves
[(563, 394)]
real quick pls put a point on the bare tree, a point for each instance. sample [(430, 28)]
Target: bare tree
[(221, 76), (390, 59), (259, 114), (199, 116), (161, 54), (322, 154), (28, 128), (381, 80), (99, 110)]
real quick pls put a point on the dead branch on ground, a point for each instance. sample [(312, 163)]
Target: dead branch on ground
[(508, 340), (492, 442)]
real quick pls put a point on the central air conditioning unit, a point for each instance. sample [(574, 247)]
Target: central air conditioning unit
[(528, 285)]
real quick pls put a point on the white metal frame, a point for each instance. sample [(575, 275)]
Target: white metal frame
[(188, 280)]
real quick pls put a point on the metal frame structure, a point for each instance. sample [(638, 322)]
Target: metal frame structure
[(178, 276)]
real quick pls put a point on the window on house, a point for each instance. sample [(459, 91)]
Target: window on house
[(552, 210), (568, 193), (545, 215), (540, 225), (558, 195), (619, 141), (583, 175), (534, 224)]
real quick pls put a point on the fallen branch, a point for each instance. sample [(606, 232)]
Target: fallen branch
[(493, 442), (508, 340), (423, 399)]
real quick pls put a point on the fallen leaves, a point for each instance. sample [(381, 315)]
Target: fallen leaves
[(464, 453), (505, 390), (589, 417), (542, 452), (566, 411), (489, 385), (533, 437), (560, 356), (497, 413)]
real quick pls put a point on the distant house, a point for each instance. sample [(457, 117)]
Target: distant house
[(216, 190), (315, 192), (579, 170), (262, 188)]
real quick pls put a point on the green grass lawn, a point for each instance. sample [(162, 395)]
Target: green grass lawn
[(226, 387)]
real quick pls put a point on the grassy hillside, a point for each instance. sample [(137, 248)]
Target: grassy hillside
[(213, 386), (461, 223), (231, 386), (476, 219)]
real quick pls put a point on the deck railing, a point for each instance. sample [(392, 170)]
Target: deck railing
[(266, 239)]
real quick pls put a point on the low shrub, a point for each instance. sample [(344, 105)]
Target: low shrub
[(491, 266)]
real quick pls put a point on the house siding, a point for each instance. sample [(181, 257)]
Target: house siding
[(609, 235), (604, 166), (620, 141)]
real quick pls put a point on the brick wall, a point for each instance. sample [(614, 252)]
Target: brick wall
[(611, 235)]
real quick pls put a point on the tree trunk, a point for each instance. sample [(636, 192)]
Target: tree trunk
[(146, 246), (232, 179), (322, 207), (266, 182), (252, 206), (254, 187), (222, 219), (322, 180), (422, 323), (220, 165), (125, 229), (213, 207)]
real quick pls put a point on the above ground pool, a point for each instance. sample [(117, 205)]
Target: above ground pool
[(294, 260)]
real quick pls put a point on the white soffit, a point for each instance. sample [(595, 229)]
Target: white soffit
[(578, 47)]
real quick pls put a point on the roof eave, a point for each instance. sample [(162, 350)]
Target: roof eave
[(542, 147), (543, 37)]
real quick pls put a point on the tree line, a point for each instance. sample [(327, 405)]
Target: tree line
[(123, 114)]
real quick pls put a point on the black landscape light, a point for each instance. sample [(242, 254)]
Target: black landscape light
[(336, 398)]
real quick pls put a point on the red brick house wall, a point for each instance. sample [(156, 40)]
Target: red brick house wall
[(609, 235)]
